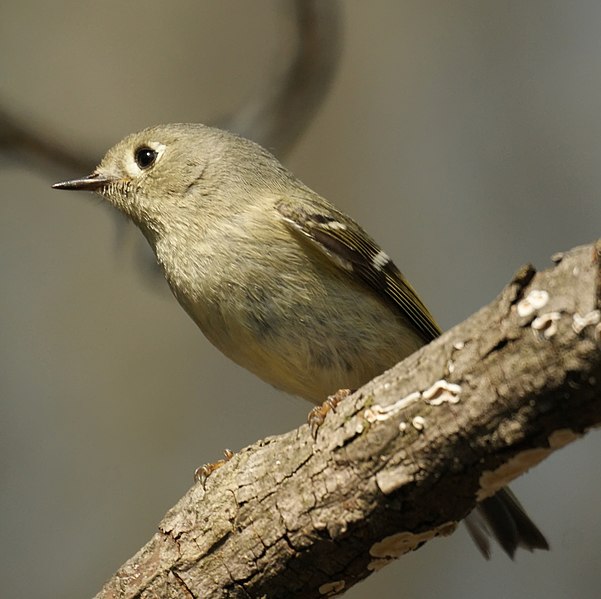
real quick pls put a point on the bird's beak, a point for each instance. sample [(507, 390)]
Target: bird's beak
[(93, 182)]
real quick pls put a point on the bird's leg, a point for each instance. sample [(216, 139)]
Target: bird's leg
[(203, 472), (318, 414)]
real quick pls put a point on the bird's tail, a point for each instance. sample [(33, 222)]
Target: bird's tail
[(502, 517)]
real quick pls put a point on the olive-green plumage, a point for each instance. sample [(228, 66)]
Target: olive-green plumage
[(275, 277)]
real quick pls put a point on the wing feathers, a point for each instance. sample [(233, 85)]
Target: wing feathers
[(344, 242)]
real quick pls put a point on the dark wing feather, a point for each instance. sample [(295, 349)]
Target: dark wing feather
[(344, 242)]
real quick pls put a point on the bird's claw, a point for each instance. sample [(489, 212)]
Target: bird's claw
[(203, 472), (318, 414)]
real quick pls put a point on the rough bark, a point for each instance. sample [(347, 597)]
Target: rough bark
[(292, 517)]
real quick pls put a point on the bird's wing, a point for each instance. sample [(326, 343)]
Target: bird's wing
[(344, 242)]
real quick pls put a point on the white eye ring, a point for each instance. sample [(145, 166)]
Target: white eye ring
[(135, 162)]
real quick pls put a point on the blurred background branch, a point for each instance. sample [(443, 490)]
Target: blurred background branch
[(275, 117), (40, 149)]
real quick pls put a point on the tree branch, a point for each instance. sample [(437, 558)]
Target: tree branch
[(459, 419), (285, 106)]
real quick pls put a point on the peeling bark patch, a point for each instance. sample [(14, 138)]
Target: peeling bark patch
[(492, 481), (562, 437), (381, 413), (581, 322), (391, 479), (546, 324), (377, 564), (392, 547), (533, 302), (438, 393), (332, 588), (419, 423), (442, 392)]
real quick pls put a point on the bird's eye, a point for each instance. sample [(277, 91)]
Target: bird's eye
[(145, 157)]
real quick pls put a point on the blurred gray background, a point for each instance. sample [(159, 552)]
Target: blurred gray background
[(464, 136)]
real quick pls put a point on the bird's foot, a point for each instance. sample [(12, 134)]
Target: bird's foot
[(318, 414), (203, 472)]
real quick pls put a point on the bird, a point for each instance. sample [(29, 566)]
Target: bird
[(277, 278)]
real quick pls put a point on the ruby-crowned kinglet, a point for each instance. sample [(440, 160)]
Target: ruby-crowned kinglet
[(275, 277)]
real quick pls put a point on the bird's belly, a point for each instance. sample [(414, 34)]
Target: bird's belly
[(307, 351)]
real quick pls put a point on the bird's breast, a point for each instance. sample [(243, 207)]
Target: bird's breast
[(306, 339)]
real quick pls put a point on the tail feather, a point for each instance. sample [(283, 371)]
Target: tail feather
[(502, 517)]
